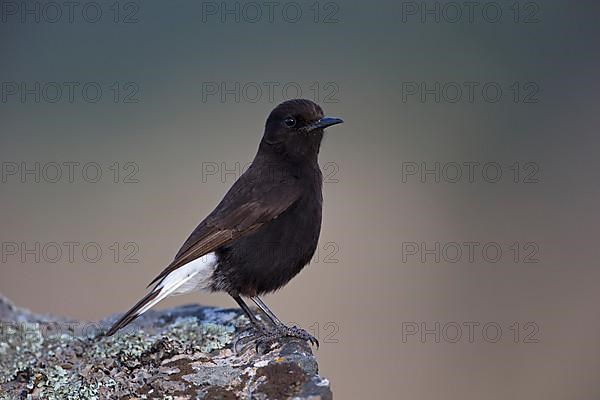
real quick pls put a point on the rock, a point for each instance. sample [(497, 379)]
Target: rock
[(181, 353)]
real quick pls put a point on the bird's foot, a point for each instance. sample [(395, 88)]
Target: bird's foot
[(243, 339), (267, 339)]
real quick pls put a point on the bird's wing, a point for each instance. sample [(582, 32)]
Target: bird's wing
[(243, 210)]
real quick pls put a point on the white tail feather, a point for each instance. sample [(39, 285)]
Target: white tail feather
[(196, 275)]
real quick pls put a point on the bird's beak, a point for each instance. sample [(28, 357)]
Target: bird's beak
[(323, 123)]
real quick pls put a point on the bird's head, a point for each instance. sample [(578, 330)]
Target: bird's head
[(295, 129)]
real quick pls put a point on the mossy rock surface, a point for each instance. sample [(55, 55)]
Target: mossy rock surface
[(180, 353)]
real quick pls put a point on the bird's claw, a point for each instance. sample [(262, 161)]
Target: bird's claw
[(300, 333), (245, 337), (265, 339)]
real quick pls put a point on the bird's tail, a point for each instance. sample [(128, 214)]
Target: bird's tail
[(141, 307), (165, 288), (194, 275)]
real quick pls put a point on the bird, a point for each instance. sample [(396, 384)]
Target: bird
[(264, 231)]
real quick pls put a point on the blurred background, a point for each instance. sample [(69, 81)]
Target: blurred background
[(458, 255)]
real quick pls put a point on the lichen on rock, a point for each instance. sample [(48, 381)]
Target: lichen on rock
[(181, 353)]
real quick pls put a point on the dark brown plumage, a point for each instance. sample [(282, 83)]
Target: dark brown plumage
[(266, 228)]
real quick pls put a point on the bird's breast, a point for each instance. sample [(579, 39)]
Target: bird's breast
[(267, 259)]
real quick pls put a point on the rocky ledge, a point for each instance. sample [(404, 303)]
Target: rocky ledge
[(180, 353)]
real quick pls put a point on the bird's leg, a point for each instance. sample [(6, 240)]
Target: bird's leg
[(280, 330), (266, 310), (242, 337), (246, 310)]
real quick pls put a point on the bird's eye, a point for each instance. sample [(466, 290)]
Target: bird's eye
[(290, 122)]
